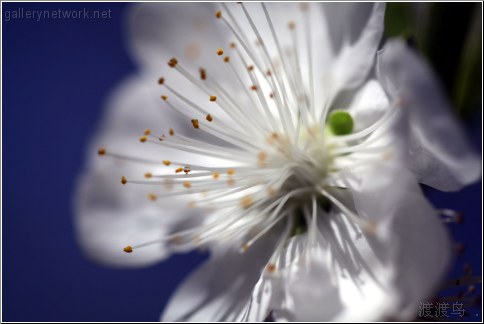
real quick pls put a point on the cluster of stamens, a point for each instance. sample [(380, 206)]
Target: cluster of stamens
[(279, 150)]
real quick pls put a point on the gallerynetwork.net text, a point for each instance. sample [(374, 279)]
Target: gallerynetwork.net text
[(39, 15)]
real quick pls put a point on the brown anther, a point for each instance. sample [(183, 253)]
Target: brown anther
[(187, 184), (178, 170), (244, 247), (160, 139), (250, 67), (246, 202), (187, 169), (231, 182), (230, 171), (216, 175), (271, 267), (218, 14), (128, 249), (148, 175), (171, 132), (203, 74), (209, 118), (165, 98), (269, 73), (143, 139), (271, 95), (220, 51), (195, 123), (172, 62), (233, 45), (254, 88), (152, 197), (161, 81), (101, 151), (291, 25), (213, 98), (166, 162), (147, 131), (124, 180), (227, 59)]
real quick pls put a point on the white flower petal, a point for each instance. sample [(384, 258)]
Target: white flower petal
[(369, 276), (109, 215), (368, 105), (411, 243), (188, 31), (439, 153), (220, 289), (353, 63), (312, 293)]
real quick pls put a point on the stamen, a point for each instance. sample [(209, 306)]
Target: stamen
[(195, 123), (165, 98), (209, 117), (220, 52), (124, 180), (128, 249), (171, 132), (161, 81), (172, 62), (143, 139), (203, 73), (148, 175), (246, 202), (147, 131), (101, 151), (213, 98), (271, 268), (166, 162)]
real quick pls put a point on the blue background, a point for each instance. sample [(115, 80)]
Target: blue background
[(56, 76)]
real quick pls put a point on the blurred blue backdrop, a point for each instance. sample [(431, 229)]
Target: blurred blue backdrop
[(56, 75)]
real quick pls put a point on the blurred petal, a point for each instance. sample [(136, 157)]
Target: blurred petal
[(188, 31), (440, 155), (354, 61), (346, 22), (220, 289), (109, 215)]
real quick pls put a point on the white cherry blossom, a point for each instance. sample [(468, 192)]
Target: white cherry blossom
[(279, 138)]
